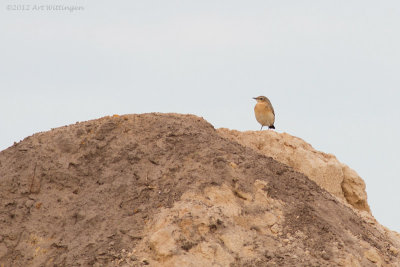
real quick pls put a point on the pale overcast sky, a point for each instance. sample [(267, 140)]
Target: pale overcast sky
[(330, 68)]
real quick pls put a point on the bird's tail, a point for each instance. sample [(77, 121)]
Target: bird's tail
[(271, 127)]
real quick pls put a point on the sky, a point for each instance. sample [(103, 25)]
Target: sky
[(330, 69)]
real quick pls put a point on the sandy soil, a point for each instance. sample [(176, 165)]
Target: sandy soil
[(91, 194)]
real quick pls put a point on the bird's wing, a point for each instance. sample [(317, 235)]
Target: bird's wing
[(272, 108)]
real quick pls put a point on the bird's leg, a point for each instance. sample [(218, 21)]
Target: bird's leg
[(261, 127)]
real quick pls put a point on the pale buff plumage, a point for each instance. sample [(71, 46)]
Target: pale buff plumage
[(264, 112)]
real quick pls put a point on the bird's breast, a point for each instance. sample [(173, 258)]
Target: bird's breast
[(264, 114)]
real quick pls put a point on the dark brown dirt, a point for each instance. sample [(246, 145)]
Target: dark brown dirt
[(77, 195)]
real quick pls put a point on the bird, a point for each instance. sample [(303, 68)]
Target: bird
[(264, 112)]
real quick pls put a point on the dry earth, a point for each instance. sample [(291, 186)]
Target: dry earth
[(170, 190), (332, 175)]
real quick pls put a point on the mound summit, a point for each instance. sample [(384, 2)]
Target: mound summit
[(170, 190)]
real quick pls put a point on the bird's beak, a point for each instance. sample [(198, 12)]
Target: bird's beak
[(255, 98)]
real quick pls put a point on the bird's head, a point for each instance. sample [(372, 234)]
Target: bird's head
[(261, 98)]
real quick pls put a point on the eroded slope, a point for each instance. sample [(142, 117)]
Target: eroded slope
[(168, 190)]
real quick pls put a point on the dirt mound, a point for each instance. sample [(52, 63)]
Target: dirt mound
[(168, 190)]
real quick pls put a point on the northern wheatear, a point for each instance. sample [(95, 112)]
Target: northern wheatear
[(264, 112)]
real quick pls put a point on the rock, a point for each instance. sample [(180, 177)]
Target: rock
[(373, 256), (162, 242), (350, 261), (332, 175), (394, 250)]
